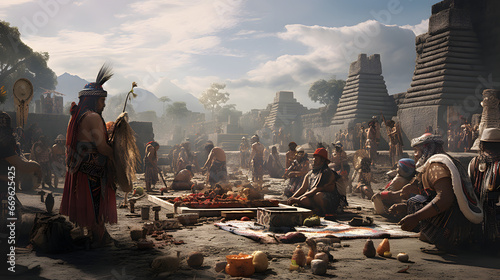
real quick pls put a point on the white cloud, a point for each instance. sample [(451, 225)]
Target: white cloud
[(5, 4), (9, 3), (197, 85), (154, 41), (420, 28), (330, 52), (148, 38)]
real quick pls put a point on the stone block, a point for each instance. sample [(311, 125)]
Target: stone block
[(284, 96), (447, 19), (414, 121), (366, 65)]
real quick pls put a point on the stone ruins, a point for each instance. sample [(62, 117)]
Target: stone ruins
[(365, 94), (445, 80)]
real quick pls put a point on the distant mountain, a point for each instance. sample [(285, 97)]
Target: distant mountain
[(167, 88), (146, 101), (70, 85)]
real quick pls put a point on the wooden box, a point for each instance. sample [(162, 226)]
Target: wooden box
[(282, 217)]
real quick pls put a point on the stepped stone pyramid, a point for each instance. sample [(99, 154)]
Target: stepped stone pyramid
[(284, 110), (447, 71), (365, 94)]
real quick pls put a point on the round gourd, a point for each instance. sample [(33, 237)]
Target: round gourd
[(195, 259), (260, 261), (403, 257)]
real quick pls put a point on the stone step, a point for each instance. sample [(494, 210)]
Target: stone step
[(452, 33), (382, 91), (363, 77), (434, 40), (451, 90), (449, 65), (474, 47), (447, 71), (442, 84), (428, 57), (368, 107), (366, 85), (364, 94), (437, 76), (423, 63)]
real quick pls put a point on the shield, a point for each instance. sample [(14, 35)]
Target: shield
[(23, 93)]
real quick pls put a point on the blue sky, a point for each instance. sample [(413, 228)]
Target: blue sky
[(255, 47)]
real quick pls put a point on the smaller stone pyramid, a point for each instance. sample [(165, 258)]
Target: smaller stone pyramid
[(365, 94), (284, 110)]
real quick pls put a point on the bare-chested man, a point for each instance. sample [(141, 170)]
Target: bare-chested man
[(216, 164), (182, 181), (257, 159), (89, 192)]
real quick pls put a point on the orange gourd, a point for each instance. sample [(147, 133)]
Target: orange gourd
[(312, 250), (240, 265), (383, 247)]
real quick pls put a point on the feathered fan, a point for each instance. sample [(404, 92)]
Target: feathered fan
[(126, 154)]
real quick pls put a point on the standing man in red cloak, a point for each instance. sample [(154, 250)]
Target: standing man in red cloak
[(89, 194)]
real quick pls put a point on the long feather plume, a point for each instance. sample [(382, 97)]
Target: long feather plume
[(104, 74)]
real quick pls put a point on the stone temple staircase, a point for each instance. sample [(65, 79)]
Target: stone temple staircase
[(230, 141)]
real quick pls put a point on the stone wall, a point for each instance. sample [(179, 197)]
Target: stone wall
[(51, 124), (455, 62)]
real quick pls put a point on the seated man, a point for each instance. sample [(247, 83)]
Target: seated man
[(484, 171), (182, 181), (448, 206), (319, 191), (296, 172), (392, 194), (273, 164), (365, 179), (216, 165)]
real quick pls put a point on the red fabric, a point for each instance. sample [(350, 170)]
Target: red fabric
[(77, 199), (321, 152), (384, 195), (77, 202)]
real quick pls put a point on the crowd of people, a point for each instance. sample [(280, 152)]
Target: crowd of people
[(449, 205)]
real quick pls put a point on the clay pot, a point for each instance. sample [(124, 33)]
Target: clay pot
[(240, 265)]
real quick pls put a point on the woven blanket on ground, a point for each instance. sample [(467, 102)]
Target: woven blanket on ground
[(343, 231)]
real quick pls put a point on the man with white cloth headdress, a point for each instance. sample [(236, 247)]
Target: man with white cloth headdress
[(446, 207)]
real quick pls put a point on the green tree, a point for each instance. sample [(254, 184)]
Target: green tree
[(213, 98), (225, 111), (18, 60), (177, 110), (164, 99), (327, 92)]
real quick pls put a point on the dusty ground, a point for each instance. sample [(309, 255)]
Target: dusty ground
[(125, 261)]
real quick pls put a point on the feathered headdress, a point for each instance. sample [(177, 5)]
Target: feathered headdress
[(95, 89)]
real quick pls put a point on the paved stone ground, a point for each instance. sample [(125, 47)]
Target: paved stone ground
[(125, 261)]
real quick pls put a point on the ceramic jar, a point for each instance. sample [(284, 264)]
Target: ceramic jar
[(240, 265)]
